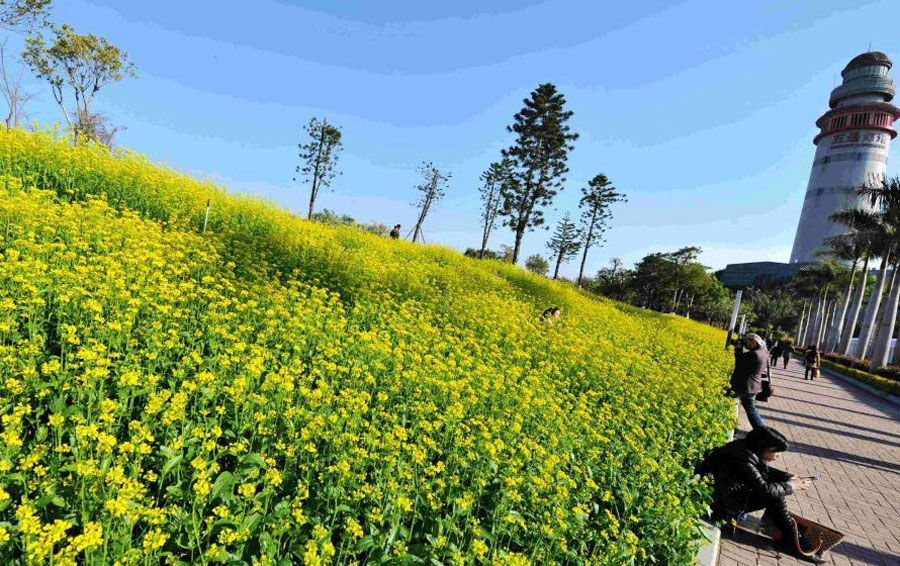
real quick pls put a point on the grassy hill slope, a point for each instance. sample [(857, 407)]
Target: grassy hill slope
[(275, 391)]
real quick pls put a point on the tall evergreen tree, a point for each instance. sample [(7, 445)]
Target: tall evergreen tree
[(596, 199), (319, 157), (565, 242), (432, 190), (539, 154), (492, 182)]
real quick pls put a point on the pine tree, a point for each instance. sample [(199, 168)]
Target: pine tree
[(492, 182), (595, 201), (565, 242), (539, 154), (432, 190), (319, 156)]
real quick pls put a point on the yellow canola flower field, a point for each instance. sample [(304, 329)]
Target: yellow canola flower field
[(279, 392)]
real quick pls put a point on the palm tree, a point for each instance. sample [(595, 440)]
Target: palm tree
[(805, 287), (884, 326), (817, 280), (883, 249), (885, 198), (801, 324), (856, 244), (843, 248)]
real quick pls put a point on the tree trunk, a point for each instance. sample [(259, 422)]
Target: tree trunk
[(809, 316), (836, 336), (558, 263), (484, 243), (314, 190), (312, 199), (587, 246), (828, 339), (488, 224), (813, 328), (800, 323), (418, 228), (822, 320), (830, 307), (876, 324), (518, 245), (868, 325), (895, 357), (881, 348), (856, 306)]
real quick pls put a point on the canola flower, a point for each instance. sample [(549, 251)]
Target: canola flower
[(274, 391)]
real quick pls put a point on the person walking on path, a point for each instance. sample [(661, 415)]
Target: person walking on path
[(813, 359), (774, 354), (746, 379), (786, 352), (743, 482)]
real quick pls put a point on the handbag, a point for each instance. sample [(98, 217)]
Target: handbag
[(767, 391)]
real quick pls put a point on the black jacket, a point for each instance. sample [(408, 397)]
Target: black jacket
[(742, 481), (749, 367)]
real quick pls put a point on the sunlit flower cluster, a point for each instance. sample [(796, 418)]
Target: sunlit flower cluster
[(273, 391)]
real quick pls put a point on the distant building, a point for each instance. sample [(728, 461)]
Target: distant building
[(851, 149), (759, 274)]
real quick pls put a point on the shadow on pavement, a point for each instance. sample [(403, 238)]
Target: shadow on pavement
[(823, 452), (842, 409), (870, 555), (834, 431), (842, 423)]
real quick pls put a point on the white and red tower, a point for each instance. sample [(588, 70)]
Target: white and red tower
[(851, 150)]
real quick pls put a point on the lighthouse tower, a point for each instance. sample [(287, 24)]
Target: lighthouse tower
[(851, 150)]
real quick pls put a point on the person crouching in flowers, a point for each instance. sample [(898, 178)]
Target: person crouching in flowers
[(551, 314), (743, 482)]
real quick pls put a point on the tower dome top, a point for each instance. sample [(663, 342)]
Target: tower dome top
[(866, 76), (866, 59)]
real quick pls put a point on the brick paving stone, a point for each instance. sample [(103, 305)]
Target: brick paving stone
[(851, 440)]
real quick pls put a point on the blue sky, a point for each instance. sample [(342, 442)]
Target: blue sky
[(702, 112)]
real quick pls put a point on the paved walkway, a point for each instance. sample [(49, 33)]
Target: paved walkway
[(851, 440)]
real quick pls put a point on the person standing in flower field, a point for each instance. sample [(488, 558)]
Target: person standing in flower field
[(395, 233), (746, 379), (786, 352)]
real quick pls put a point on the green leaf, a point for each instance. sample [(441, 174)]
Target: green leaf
[(253, 460), (224, 482), (175, 491), (251, 521), (171, 463), (267, 544)]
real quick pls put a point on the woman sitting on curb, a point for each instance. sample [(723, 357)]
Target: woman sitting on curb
[(744, 482)]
